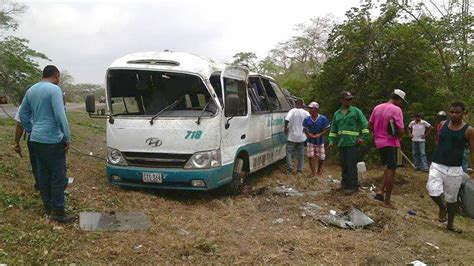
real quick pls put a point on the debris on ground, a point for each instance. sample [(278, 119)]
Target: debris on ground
[(432, 245), (284, 190), (278, 221), (112, 221), (417, 263), (331, 180), (183, 232), (351, 219), (70, 180), (137, 247), (412, 212)]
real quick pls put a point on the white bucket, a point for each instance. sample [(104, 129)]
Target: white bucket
[(361, 167)]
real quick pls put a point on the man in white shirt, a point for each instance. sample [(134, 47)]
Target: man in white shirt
[(296, 137), (419, 129)]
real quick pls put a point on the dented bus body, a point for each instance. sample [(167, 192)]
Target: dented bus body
[(181, 121)]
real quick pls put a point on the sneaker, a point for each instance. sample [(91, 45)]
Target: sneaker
[(58, 215)]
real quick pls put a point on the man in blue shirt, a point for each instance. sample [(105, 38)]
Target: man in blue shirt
[(43, 117), (315, 127)]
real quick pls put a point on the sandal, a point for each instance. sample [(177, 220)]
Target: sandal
[(379, 196), (454, 230)]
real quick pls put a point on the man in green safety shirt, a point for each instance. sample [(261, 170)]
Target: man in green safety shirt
[(349, 128)]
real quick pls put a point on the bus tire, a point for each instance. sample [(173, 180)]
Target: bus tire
[(238, 177)]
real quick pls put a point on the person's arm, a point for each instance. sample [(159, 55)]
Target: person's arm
[(25, 114), (470, 139), (398, 118), (410, 130), (287, 120), (429, 127), (60, 114), (18, 133), (364, 131), (333, 131)]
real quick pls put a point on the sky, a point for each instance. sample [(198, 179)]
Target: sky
[(84, 37)]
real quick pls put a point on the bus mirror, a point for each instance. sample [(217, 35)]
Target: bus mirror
[(90, 104), (231, 105)]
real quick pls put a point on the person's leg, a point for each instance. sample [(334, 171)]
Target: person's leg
[(416, 154), (451, 186), (434, 185), (344, 168), (58, 183), (424, 161), (352, 159), (43, 174), (33, 162), (321, 157), (300, 156), (289, 150)]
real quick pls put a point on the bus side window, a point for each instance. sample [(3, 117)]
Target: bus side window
[(273, 101), (257, 95), (284, 104)]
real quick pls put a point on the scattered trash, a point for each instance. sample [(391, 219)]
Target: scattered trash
[(372, 187), (279, 221), (112, 221), (94, 188), (10, 206), (57, 228), (287, 191), (90, 153), (330, 180), (332, 212), (137, 247), (432, 245), (417, 263), (311, 209), (70, 180), (361, 168), (351, 219), (183, 232), (412, 212)]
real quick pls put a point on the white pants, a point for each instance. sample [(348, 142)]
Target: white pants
[(445, 179)]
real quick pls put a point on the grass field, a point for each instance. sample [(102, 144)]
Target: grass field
[(189, 228)]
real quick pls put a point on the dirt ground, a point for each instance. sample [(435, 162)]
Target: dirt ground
[(189, 228)]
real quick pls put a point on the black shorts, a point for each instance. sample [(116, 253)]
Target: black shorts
[(389, 157)]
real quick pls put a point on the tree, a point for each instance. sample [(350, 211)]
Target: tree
[(248, 59), (18, 66)]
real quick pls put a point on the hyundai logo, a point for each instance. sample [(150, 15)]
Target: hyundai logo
[(154, 142)]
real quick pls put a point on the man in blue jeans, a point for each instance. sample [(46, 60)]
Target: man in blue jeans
[(296, 137), (43, 117), (419, 129)]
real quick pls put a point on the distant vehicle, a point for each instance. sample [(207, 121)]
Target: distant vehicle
[(180, 121), (3, 100), (102, 99)]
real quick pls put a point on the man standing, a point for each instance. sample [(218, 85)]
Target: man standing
[(387, 123), (315, 127), (296, 137), (418, 134), (446, 173), (349, 125), (43, 117)]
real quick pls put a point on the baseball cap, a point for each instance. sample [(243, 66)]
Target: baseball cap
[(346, 95), (401, 94), (313, 105)]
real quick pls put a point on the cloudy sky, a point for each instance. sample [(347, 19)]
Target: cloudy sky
[(85, 36)]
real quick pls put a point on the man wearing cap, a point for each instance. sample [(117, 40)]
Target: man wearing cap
[(296, 137), (315, 127), (418, 132), (387, 124), (349, 127)]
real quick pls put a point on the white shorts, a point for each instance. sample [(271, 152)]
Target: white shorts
[(445, 179)]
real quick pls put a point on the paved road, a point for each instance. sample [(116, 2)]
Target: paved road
[(11, 110)]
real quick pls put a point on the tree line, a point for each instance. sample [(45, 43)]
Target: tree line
[(19, 67), (425, 49)]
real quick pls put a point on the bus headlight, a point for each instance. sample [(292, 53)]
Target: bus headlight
[(114, 156), (205, 159)]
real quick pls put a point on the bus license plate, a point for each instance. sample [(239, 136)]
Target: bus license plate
[(152, 178)]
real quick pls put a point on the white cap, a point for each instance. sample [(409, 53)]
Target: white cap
[(400, 93), (314, 105)]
